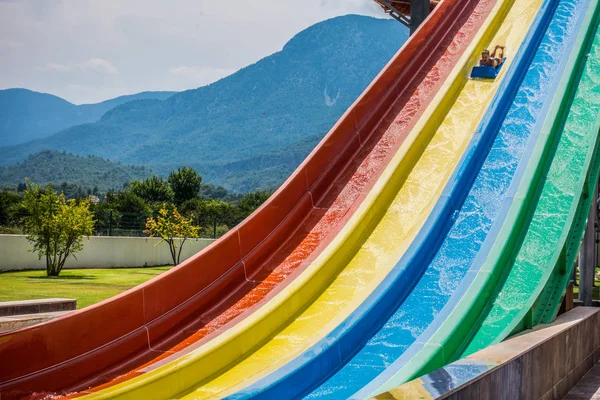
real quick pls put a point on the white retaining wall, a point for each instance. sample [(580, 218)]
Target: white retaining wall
[(98, 252)]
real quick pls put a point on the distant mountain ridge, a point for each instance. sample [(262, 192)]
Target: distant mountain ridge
[(27, 115), (239, 132), (90, 171)]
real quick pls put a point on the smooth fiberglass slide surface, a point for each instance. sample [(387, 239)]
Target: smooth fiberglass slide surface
[(205, 295), (562, 189), (519, 138), (328, 302), (468, 230), (396, 125)]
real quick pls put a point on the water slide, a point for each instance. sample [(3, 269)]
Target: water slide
[(395, 247), (446, 130), (531, 261), (216, 289), (443, 319), (353, 264)]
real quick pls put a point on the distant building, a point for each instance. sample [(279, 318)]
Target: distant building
[(94, 199)]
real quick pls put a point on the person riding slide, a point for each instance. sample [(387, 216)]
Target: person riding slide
[(492, 60)]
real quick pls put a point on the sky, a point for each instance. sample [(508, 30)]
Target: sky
[(87, 51)]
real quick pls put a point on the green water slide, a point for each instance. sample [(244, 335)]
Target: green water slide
[(536, 250)]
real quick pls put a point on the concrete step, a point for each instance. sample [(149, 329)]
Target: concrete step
[(9, 308), (12, 322)]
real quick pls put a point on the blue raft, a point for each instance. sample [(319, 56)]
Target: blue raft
[(485, 72)]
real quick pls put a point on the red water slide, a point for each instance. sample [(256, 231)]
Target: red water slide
[(225, 282)]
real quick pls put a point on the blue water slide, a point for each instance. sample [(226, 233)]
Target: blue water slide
[(505, 136)]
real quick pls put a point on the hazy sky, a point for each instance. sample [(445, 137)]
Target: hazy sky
[(91, 50)]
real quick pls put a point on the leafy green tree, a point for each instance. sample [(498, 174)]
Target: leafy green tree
[(153, 189), (8, 204), (173, 229), (106, 215), (210, 212), (185, 183), (213, 192), (123, 210), (219, 212), (251, 201), (55, 226)]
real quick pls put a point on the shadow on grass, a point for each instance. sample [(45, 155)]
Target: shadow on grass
[(74, 277)]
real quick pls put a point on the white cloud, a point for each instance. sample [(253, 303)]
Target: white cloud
[(100, 65), (11, 44), (93, 64)]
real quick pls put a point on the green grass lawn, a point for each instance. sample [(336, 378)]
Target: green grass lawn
[(88, 286)]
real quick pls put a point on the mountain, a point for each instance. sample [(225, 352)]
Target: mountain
[(52, 166), (26, 115), (258, 113)]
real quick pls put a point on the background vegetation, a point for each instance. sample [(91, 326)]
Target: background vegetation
[(124, 212)]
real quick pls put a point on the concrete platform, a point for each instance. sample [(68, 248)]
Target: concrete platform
[(543, 363), (9, 308), (12, 322)]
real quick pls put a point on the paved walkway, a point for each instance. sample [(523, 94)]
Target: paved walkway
[(588, 387)]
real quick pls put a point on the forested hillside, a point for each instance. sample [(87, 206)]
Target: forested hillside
[(88, 172), (251, 129)]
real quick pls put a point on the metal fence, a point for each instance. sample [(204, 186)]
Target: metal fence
[(131, 224), (115, 223), (107, 223)]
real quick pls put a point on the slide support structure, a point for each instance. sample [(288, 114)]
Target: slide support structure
[(589, 251), (419, 10), (398, 9)]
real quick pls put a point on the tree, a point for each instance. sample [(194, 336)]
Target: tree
[(55, 226), (8, 203), (251, 201), (153, 189), (173, 229), (219, 212), (185, 183), (123, 210), (210, 213)]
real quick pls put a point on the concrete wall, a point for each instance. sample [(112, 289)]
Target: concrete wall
[(98, 252), (543, 363)]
